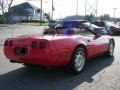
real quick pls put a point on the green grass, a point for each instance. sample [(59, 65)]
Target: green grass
[(4, 25)]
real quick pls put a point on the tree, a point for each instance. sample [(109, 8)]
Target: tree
[(1, 19), (90, 17), (2, 6), (5, 6), (9, 3), (105, 17)]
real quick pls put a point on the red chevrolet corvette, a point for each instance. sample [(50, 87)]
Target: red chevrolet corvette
[(70, 47)]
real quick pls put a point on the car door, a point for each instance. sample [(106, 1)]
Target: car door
[(95, 44), (101, 43)]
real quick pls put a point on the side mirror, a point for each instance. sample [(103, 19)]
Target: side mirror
[(97, 36)]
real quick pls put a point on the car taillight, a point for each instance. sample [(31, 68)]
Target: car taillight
[(10, 43), (42, 45), (34, 44), (6, 43)]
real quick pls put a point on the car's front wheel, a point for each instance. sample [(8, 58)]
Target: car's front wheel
[(78, 60), (111, 48)]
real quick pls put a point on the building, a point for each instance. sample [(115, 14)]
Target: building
[(24, 11)]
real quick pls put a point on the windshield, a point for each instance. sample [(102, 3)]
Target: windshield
[(73, 24), (68, 31)]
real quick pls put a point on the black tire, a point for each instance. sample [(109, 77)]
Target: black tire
[(78, 60), (111, 48)]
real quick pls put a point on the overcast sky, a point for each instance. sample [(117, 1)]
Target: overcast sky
[(68, 7)]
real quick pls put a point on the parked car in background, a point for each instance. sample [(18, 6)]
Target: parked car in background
[(104, 25), (52, 23), (79, 23), (95, 28), (73, 23), (114, 28)]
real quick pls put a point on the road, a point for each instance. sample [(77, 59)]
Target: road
[(103, 73), (18, 30)]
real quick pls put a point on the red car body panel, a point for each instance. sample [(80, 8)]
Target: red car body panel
[(58, 48)]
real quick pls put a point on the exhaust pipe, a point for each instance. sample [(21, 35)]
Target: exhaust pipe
[(12, 61)]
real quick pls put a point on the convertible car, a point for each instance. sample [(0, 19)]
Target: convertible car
[(70, 47)]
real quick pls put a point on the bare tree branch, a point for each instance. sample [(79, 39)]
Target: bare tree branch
[(5, 6), (9, 3)]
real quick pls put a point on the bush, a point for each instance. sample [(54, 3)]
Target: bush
[(1, 22)]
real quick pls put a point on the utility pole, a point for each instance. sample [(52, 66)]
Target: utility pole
[(77, 7), (114, 9), (85, 6), (96, 7), (53, 8), (41, 11)]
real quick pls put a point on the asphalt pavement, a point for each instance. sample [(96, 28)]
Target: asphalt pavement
[(102, 73), (18, 30)]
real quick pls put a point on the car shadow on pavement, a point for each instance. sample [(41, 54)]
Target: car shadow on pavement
[(52, 79)]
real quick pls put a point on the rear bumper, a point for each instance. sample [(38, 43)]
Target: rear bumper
[(46, 58)]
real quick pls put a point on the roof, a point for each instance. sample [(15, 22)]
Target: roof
[(21, 9), (25, 5)]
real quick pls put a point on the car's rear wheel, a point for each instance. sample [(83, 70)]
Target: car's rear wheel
[(78, 60), (111, 48)]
